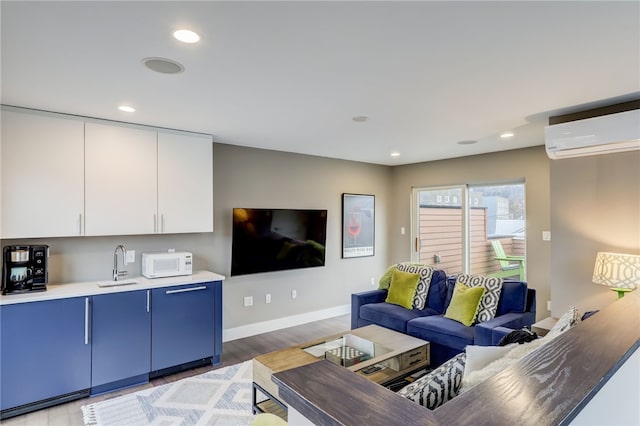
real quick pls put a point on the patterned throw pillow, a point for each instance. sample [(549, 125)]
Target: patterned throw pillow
[(426, 273), (565, 322), (492, 289), (439, 386)]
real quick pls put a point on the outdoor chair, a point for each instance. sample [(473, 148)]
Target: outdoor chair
[(511, 266)]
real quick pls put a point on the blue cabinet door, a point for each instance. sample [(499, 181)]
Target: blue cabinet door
[(46, 351), (121, 336), (182, 324)]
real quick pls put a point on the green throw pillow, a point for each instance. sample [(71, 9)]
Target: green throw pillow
[(464, 304), (385, 280), (403, 288)]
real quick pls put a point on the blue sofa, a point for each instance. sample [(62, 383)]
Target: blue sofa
[(516, 309)]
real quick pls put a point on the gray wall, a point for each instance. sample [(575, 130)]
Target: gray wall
[(530, 164), (595, 206), (246, 177)]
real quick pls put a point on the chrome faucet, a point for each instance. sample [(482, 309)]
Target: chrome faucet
[(117, 274)]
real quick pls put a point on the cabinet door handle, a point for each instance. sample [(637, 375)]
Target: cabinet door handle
[(148, 299), (80, 224), (162, 222), (184, 290), (155, 223), (86, 320)]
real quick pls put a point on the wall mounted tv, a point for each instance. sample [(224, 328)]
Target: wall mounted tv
[(277, 239)]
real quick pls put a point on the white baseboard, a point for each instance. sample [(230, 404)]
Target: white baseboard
[(280, 323)]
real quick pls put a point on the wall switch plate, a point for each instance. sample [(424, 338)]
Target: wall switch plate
[(402, 230), (131, 256), (546, 235), (248, 301), (267, 298), (294, 294), (373, 281), (549, 305)]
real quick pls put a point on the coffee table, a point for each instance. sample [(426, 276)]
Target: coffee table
[(376, 353)]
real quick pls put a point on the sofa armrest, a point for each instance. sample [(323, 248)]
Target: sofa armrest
[(364, 298), (512, 320), (498, 333)]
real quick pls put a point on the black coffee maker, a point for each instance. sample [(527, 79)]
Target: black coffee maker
[(24, 269)]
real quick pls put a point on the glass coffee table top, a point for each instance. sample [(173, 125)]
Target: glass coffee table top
[(347, 350)]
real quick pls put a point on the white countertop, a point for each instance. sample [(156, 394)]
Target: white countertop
[(80, 289)]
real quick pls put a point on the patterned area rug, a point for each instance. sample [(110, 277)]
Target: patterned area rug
[(218, 397)]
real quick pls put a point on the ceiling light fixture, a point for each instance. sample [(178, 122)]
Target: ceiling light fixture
[(395, 154), (507, 135), (186, 36), (360, 118), (163, 65), (126, 108)]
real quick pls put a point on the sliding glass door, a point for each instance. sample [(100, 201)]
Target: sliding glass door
[(478, 229)]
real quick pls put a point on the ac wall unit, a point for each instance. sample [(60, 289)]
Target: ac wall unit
[(598, 135)]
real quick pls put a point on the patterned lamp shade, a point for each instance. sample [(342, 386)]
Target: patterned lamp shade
[(616, 270)]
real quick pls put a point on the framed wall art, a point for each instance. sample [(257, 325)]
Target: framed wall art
[(358, 225)]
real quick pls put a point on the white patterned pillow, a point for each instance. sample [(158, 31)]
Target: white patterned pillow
[(439, 386), (426, 273), (565, 322), (492, 289)]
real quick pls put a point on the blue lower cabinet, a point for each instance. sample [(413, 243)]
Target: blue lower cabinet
[(183, 328), (46, 350), (121, 340)]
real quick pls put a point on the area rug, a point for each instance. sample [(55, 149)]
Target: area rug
[(218, 397)]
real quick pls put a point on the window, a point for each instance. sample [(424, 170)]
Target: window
[(468, 236)]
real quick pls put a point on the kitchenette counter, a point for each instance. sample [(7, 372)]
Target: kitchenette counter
[(91, 288)]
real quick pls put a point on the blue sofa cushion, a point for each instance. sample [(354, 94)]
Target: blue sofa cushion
[(391, 316), (441, 330), (513, 297)]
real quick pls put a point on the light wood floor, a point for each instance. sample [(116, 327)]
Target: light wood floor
[(233, 352)]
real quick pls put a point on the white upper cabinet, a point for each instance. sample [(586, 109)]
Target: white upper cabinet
[(42, 162), (185, 183), (121, 177), (67, 176)]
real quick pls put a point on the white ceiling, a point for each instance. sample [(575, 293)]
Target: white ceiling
[(290, 76)]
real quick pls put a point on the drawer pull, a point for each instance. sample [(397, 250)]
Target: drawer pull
[(415, 361), (184, 290), (418, 353)]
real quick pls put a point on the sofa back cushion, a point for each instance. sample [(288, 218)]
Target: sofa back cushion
[(513, 297), (437, 292)]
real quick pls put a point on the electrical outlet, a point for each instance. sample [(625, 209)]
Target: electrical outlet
[(294, 294), (267, 298), (373, 281), (549, 305), (131, 256), (248, 301)]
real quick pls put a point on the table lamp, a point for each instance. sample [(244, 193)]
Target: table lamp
[(619, 271)]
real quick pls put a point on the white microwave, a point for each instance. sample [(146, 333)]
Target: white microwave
[(167, 264)]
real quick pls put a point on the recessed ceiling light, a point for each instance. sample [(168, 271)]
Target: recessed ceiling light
[(186, 36), (360, 118), (466, 142), (163, 65), (395, 154), (126, 108), (507, 135)]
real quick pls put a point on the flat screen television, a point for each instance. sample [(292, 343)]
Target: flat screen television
[(266, 240)]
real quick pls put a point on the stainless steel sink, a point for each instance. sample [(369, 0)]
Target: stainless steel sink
[(116, 283)]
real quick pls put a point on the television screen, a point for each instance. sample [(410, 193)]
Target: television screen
[(277, 239)]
